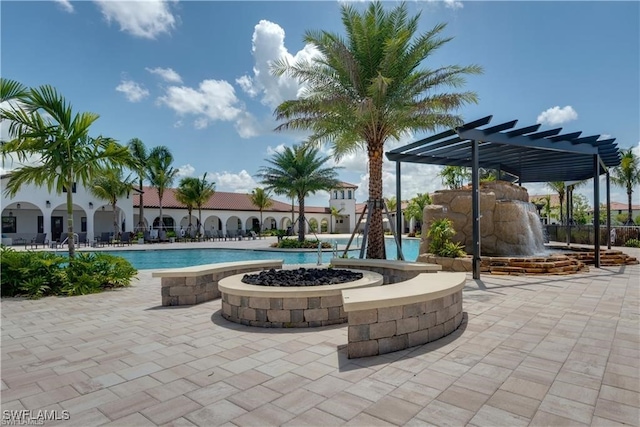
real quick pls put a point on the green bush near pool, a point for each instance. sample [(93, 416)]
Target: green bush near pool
[(39, 274)]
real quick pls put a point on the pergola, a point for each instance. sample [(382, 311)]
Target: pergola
[(529, 154)]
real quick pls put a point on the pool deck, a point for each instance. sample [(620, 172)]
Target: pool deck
[(538, 350)]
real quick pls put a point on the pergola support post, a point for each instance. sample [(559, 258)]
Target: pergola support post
[(566, 217), (596, 210), (398, 211), (608, 212), (475, 203)]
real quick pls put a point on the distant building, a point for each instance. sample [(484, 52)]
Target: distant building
[(34, 210)]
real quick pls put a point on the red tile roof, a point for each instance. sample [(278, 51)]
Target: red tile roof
[(343, 184), (219, 201)]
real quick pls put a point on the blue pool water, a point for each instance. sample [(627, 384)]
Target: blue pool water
[(173, 258)]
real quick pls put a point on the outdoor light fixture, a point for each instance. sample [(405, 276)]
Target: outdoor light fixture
[(10, 213), (90, 205), (18, 206), (48, 203), (103, 208)]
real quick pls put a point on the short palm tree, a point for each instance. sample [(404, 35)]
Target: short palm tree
[(44, 125), (560, 188), (160, 173), (203, 191), (300, 171), (454, 177), (185, 194), (261, 199), (416, 206), (627, 175), (335, 214), (139, 154), (110, 185), (367, 88)]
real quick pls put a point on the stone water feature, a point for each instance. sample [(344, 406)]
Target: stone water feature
[(509, 224)]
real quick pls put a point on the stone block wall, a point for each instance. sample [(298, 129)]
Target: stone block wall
[(389, 274), (273, 312), (384, 330), (197, 289)]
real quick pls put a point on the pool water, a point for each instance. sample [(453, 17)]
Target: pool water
[(174, 258)]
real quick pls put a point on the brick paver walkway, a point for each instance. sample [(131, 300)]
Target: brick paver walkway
[(551, 350)]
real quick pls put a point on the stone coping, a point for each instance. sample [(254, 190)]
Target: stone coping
[(386, 263), (199, 270), (424, 287), (234, 286)]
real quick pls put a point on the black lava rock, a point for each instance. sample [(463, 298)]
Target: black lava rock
[(301, 277)]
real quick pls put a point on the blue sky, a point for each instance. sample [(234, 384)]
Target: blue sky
[(194, 75)]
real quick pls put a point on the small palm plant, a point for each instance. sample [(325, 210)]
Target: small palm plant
[(440, 232), (111, 186), (261, 199)]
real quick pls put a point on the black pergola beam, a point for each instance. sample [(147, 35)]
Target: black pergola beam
[(523, 131), (565, 137), (545, 133), (500, 127)]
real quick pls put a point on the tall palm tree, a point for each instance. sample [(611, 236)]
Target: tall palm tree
[(186, 194), (627, 175), (139, 153), (367, 88), (160, 173), (11, 90), (298, 170), (110, 185), (262, 200), (203, 191), (45, 125)]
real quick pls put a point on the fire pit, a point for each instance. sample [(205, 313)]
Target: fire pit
[(302, 277), (290, 305)]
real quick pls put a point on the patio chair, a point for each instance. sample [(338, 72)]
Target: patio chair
[(253, 234), (231, 234), (208, 235), (40, 239), (82, 239), (105, 238), (162, 236), (125, 239), (220, 235)]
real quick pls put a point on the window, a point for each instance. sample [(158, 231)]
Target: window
[(9, 224), (83, 224), (335, 194), (73, 188), (342, 194), (40, 224), (349, 195)]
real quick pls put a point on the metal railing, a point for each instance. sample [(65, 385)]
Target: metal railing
[(585, 234)]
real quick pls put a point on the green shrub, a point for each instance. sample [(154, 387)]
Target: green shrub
[(632, 243), (39, 274), (295, 244), (440, 233)]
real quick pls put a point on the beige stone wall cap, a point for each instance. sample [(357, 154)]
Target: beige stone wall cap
[(199, 270), (386, 263), (424, 287)]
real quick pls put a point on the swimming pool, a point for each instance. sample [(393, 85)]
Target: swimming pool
[(174, 258)]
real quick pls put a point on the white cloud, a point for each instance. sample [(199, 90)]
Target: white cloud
[(133, 91), (278, 149), (453, 4), (557, 115), (247, 126), (240, 182), (268, 45), (604, 136), (212, 100), (201, 123), (166, 74), (636, 149), (146, 19), (185, 170), (178, 124), (65, 5)]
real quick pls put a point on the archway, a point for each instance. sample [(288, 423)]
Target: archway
[(253, 224)]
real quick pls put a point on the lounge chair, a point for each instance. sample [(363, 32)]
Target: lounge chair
[(253, 234), (105, 238), (40, 239), (162, 236), (82, 239)]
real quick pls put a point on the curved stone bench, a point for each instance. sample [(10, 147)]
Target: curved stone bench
[(393, 271), (199, 283), (287, 307), (394, 317)]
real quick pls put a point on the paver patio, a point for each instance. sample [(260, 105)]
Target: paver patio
[(548, 350)]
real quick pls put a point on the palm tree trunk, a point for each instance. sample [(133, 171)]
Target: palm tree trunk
[(301, 220), (141, 210), (261, 225), (115, 221), (561, 199), (199, 218), (70, 241), (630, 211), (161, 224), (375, 238)]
